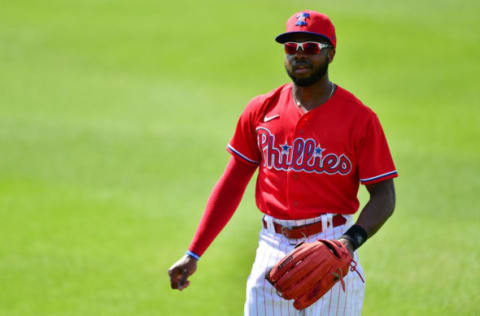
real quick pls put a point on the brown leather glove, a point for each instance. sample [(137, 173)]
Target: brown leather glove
[(310, 271)]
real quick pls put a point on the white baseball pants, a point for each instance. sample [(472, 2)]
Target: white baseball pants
[(262, 299)]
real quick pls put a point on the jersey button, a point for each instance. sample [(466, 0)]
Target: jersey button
[(295, 203), (301, 132), (295, 176)]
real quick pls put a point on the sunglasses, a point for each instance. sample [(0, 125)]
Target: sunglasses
[(309, 48)]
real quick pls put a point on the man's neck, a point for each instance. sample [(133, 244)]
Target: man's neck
[(312, 96)]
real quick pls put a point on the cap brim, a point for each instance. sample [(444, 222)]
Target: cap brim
[(284, 37)]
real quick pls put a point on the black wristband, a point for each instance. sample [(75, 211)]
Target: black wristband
[(357, 236)]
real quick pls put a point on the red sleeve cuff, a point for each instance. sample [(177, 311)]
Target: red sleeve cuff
[(380, 177), (238, 154)]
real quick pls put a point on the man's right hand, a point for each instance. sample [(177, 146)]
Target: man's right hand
[(180, 271)]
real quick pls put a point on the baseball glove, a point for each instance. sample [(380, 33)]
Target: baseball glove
[(310, 271)]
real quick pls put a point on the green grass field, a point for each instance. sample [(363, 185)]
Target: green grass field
[(114, 116)]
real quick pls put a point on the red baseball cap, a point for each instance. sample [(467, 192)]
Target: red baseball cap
[(309, 22)]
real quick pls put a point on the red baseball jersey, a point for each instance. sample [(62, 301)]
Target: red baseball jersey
[(311, 163)]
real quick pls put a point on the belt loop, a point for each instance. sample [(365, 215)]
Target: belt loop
[(269, 221), (324, 223)]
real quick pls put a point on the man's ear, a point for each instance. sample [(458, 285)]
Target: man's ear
[(331, 54)]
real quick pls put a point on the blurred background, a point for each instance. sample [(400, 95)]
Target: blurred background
[(114, 116)]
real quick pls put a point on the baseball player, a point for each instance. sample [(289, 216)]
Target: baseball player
[(313, 143)]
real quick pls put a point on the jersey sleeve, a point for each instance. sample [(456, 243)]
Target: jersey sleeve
[(375, 163), (243, 144)]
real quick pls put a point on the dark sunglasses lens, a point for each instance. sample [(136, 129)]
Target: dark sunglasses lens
[(290, 48), (311, 48)]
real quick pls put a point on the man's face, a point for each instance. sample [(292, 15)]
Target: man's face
[(305, 69)]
